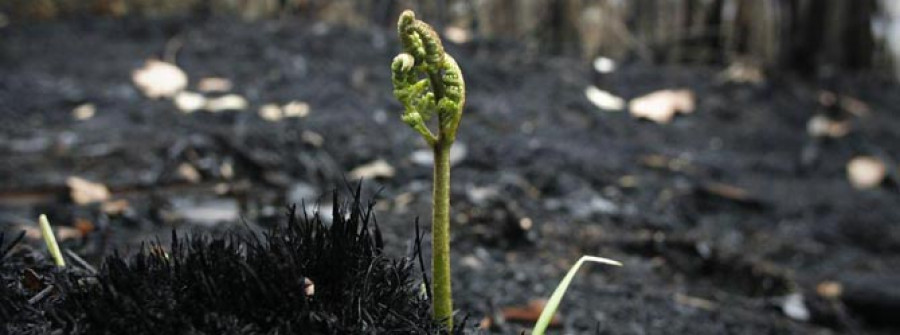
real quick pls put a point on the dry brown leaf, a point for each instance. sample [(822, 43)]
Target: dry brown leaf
[(830, 289), (84, 226), (189, 173), (85, 192), (529, 313), (214, 85), (866, 172), (823, 126), (158, 79), (661, 106)]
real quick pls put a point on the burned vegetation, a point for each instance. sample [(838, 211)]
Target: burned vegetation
[(313, 275)]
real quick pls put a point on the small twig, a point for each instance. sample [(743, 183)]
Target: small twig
[(41, 295), (81, 262)]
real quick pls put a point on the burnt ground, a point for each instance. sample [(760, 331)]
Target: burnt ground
[(719, 216)]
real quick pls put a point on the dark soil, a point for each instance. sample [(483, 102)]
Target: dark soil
[(719, 216)]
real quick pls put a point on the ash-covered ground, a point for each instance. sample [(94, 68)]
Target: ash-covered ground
[(731, 219)]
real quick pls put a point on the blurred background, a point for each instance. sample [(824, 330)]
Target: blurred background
[(740, 156)]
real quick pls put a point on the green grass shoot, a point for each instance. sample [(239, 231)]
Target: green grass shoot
[(550, 308), (50, 240)]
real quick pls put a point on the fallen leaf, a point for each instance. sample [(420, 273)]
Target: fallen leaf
[(695, 302), (661, 106), (375, 169), (64, 233), (866, 172), (854, 106), (457, 35), (84, 111), (158, 79), (226, 102), (743, 72), (312, 138), (31, 232), (189, 101), (85, 192), (214, 85), (273, 112), (603, 99), (794, 307), (189, 173), (295, 109), (823, 126), (270, 112), (830, 289), (309, 288), (115, 207), (529, 313), (84, 226)]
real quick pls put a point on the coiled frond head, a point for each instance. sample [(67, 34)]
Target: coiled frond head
[(441, 89)]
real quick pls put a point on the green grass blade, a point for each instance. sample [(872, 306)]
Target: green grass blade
[(550, 308), (50, 240)]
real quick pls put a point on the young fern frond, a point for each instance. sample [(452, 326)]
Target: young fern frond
[(428, 82)]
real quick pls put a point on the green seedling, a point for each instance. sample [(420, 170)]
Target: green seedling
[(553, 304), (50, 241), (429, 84)]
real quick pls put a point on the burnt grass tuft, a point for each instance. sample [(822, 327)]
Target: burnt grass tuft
[(242, 282)]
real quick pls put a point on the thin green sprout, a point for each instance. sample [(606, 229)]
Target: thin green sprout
[(50, 241), (550, 308)]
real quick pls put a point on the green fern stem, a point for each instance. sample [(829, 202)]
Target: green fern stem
[(440, 234)]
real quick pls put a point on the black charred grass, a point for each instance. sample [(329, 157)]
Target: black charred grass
[(241, 282)]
